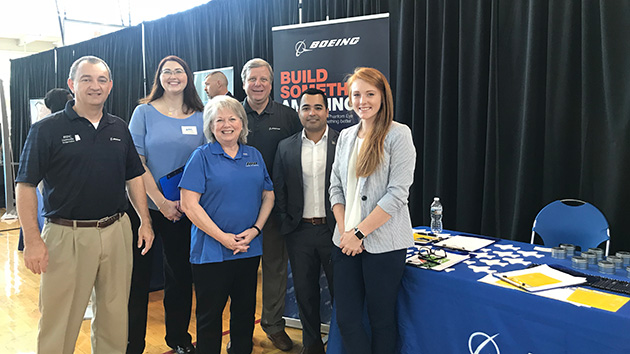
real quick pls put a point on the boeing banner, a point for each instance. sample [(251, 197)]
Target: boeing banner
[(323, 54)]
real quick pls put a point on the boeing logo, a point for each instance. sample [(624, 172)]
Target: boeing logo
[(483, 344), (301, 47)]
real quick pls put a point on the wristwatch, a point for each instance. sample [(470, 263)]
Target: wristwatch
[(358, 233)]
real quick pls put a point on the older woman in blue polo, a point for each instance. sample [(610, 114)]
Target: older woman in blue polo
[(227, 194)]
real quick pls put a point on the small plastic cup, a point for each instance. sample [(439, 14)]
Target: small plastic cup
[(599, 252), (606, 267), (559, 252), (579, 262), (591, 257), (617, 261), (570, 249), (625, 257)]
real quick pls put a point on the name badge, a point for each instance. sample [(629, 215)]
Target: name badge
[(189, 130)]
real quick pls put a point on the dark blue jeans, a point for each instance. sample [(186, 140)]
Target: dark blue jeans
[(372, 280)]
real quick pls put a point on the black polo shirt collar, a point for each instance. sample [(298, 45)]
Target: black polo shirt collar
[(268, 109), (72, 114)]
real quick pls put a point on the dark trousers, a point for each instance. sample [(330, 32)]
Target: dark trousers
[(214, 283), (274, 276), (177, 277), (309, 248), (372, 279), (139, 293)]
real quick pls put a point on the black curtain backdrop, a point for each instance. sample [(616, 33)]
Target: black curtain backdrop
[(31, 78), (122, 51), (513, 104), (219, 34)]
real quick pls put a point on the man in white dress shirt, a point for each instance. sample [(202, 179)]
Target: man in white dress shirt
[(303, 204)]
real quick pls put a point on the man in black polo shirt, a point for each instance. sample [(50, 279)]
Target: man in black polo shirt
[(268, 123), (85, 158)]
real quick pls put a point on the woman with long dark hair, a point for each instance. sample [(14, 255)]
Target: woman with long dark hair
[(166, 128), (369, 189)]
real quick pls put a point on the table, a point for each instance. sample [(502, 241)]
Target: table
[(450, 312)]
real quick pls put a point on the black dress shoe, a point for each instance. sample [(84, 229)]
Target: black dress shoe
[(189, 349), (313, 350), (281, 340)]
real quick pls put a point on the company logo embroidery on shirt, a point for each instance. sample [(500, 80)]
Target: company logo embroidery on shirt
[(67, 139), (274, 128), (114, 139), (250, 164)]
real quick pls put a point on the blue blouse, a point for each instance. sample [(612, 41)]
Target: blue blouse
[(165, 142)]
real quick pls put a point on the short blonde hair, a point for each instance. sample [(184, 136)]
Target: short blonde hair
[(253, 64), (211, 110)]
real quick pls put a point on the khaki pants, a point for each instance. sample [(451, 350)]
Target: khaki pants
[(81, 259)]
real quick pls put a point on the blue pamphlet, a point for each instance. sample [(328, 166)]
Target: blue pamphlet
[(170, 183)]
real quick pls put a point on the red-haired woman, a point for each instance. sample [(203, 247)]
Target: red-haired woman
[(369, 188)]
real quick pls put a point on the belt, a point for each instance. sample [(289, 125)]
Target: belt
[(101, 223), (314, 221)]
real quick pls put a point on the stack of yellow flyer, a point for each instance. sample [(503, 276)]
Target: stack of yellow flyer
[(539, 278), (598, 299)]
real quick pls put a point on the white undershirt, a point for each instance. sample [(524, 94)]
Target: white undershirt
[(314, 175), (352, 217)]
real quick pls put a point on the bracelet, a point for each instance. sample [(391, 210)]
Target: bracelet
[(161, 205), (257, 229)]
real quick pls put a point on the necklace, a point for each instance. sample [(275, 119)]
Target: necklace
[(173, 111)]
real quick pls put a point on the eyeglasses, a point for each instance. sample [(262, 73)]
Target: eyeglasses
[(432, 255), (177, 72)]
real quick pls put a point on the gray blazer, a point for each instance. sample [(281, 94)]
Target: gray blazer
[(387, 187)]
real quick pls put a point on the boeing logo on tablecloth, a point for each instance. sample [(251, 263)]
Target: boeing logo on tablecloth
[(483, 344), (301, 47)]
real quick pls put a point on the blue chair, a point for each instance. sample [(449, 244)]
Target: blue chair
[(571, 221)]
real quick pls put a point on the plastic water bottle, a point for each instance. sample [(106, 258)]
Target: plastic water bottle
[(436, 216)]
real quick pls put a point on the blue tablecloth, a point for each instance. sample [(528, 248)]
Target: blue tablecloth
[(451, 312)]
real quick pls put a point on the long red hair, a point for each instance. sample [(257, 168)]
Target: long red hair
[(373, 149)]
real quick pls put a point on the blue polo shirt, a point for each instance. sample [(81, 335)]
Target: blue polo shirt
[(231, 194)]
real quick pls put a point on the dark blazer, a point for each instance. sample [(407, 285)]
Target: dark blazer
[(287, 181)]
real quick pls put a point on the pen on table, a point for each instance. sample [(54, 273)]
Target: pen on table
[(515, 283), (454, 250)]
